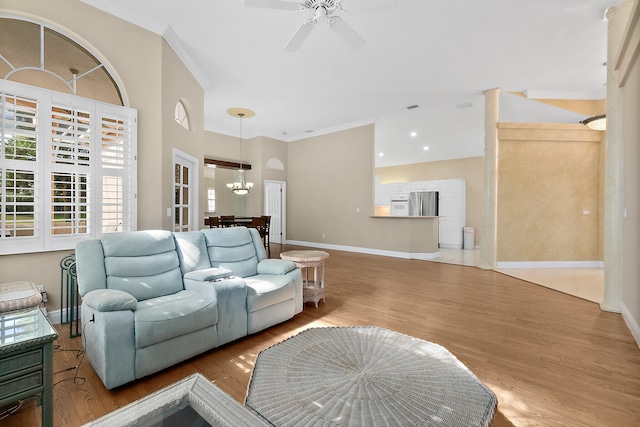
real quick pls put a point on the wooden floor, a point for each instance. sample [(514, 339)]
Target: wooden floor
[(552, 359)]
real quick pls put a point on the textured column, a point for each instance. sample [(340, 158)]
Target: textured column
[(490, 196), (617, 18)]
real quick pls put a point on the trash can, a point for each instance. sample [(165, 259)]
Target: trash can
[(469, 237)]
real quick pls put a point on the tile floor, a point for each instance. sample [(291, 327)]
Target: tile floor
[(585, 283)]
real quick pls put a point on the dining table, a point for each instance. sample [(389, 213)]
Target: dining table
[(236, 221)]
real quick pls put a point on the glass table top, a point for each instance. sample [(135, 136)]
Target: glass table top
[(21, 326)]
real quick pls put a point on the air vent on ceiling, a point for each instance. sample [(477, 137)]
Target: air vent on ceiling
[(413, 107)]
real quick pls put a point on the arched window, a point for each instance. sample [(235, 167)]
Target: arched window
[(37, 55), (181, 115), (67, 142)]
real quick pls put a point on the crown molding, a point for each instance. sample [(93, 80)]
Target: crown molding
[(174, 41), (163, 30)]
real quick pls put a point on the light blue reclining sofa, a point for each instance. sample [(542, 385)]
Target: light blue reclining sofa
[(151, 299)]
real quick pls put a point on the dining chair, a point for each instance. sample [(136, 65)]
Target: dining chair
[(214, 222), (227, 220), (260, 223), (267, 243)]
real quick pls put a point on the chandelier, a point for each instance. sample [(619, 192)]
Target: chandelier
[(239, 185)]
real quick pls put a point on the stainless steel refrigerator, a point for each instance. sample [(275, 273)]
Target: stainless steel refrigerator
[(423, 203)]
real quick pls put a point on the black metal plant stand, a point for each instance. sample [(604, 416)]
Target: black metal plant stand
[(69, 297)]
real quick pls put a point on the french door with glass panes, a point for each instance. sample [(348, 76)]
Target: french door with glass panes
[(185, 201)]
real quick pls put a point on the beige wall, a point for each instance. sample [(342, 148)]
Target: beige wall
[(152, 79), (548, 174), (333, 177), (471, 169), (330, 178), (631, 178), (177, 85), (256, 152)]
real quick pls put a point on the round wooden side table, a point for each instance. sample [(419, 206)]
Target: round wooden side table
[(313, 288)]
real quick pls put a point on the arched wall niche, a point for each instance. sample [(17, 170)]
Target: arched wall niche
[(274, 164)]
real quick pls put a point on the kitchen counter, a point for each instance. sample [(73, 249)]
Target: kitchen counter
[(421, 241)]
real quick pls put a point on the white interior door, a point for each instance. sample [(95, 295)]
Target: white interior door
[(275, 193)]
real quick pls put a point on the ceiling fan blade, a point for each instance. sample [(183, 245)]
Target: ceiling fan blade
[(347, 33), (273, 4), (299, 36)]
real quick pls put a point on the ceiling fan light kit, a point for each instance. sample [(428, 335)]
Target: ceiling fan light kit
[(322, 10), (596, 122)]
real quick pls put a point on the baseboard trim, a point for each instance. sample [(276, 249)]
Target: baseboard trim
[(369, 251), (54, 316), (631, 323), (450, 246), (551, 264)]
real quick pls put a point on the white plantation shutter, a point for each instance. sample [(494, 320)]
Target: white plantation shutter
[(70, 170), (117, 159), (67, 169), (19, 176)]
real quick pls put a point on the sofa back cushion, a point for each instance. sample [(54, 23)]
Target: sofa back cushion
[(142, 263), (233, 248), (192, 251)]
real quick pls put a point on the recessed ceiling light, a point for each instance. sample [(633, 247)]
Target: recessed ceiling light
[(425, 148), (414, 134), (381, 155)]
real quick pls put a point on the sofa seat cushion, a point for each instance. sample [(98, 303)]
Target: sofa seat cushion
[(265, 290), (169, 316)]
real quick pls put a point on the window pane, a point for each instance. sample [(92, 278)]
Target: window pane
[(185, 175), (71, 138), (112, 209), (18, 136), (69, 203), (19, 203)]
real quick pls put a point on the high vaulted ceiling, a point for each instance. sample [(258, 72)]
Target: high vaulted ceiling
[(439, 55)]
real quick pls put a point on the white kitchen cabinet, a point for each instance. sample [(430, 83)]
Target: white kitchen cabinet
[(452, 212), (399, 187), (452, 203), (383, 195), (425, 185)]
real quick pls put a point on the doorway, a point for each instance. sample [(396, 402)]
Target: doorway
[(185, 185), (275, 202)]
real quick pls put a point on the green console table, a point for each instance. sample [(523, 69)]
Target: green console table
[(26, 359)]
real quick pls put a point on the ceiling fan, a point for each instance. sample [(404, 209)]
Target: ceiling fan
[(322, 10)]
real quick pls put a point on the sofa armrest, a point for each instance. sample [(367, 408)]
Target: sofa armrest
[(104, 300), (275, 266), (208, 274)]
